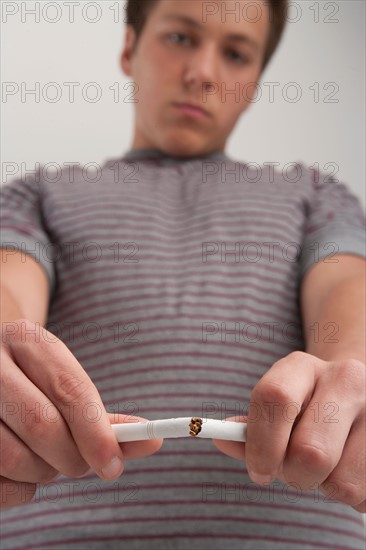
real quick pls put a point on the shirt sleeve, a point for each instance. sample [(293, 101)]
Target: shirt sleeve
[(22, 223), (335, 222)]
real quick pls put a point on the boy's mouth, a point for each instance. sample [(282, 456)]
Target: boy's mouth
[(191, 110)]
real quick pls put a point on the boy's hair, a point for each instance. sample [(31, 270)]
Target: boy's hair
[(137, 12)]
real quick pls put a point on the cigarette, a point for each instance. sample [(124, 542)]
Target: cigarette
[(180, 427)]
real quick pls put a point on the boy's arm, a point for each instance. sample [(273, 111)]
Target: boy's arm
[(306, 420), (24, 288), (333, 309)]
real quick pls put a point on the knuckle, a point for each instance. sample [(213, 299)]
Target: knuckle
[(348, 492), (297, 355), (70, 388), (272, 392), (312, 456)]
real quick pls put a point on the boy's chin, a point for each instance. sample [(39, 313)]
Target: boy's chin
[(185, 148)]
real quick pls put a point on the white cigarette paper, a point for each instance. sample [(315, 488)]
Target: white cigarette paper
[(180, 427)]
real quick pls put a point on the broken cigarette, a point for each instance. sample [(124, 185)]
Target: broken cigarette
[(208, 428)]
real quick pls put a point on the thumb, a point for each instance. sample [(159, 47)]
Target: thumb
[(135, 449), (235, 449)]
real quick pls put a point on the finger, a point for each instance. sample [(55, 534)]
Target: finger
[(56, 372), (235, 449), (318, 441), (275, 403), (37, 422), (19, 463), (347, 482), (135, 449), (14, 493)]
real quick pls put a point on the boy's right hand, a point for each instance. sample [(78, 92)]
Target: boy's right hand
[(52, 417)]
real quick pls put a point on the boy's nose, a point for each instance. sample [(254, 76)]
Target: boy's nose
[(201, 67)]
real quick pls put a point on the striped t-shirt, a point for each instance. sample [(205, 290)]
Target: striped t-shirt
[(175, 283)]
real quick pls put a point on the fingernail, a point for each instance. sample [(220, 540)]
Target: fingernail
[(113, 469), (260, 478)]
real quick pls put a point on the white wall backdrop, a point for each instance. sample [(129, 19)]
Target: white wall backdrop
[(316, 114)]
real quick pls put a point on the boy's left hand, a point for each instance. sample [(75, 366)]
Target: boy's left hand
[(306, 426)]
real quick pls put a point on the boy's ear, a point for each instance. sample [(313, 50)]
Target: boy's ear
[(128, 51)]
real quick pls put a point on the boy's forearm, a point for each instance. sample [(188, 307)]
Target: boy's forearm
[(340, 329), (10, 309)]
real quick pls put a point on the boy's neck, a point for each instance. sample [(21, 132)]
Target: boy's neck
[(154, 153)]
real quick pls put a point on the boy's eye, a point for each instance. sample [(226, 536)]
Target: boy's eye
[(238, 59), (177, 34)]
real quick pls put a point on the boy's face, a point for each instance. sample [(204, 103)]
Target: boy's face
[(176, 62)]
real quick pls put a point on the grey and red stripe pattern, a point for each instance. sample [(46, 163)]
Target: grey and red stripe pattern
[(175, 284)]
